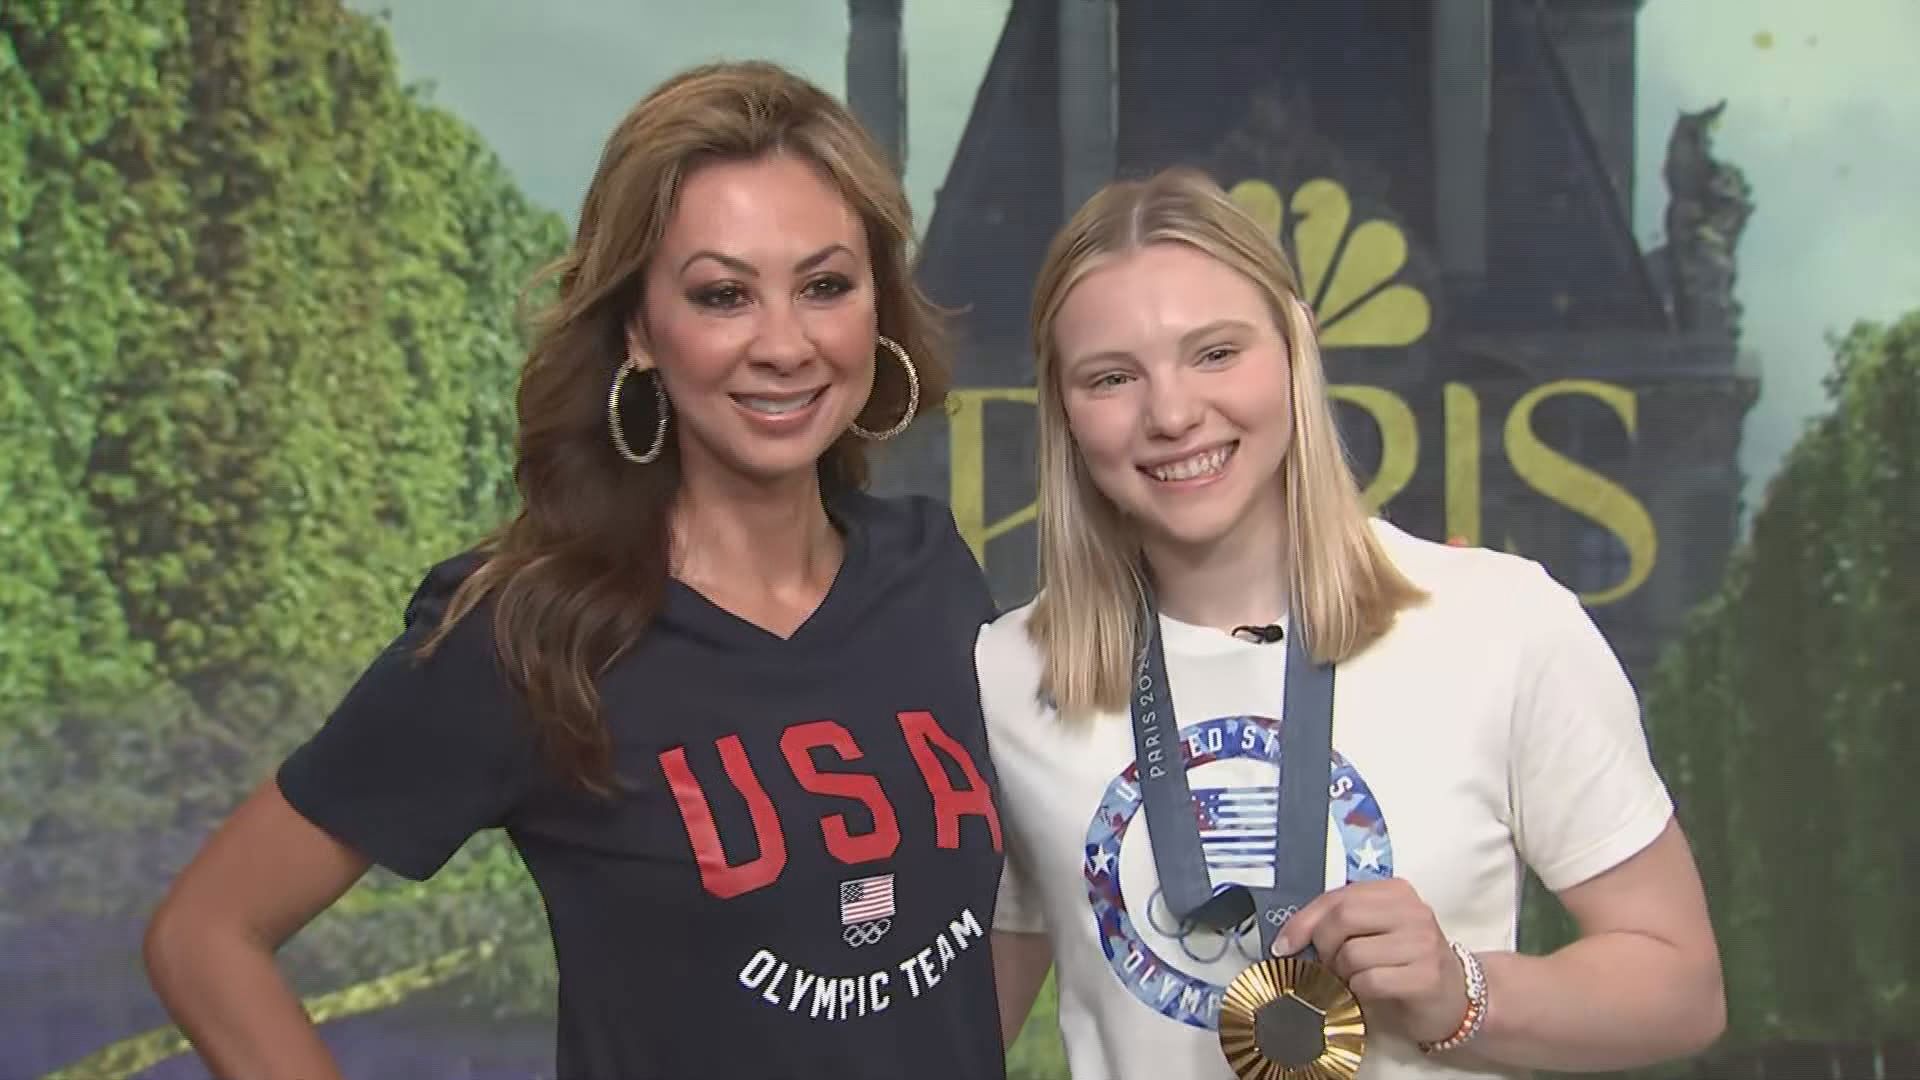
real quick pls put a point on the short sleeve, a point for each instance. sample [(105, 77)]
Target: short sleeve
[(419, 754), (1017, 909), (975, 595), (1585, 790), (1018, 906)]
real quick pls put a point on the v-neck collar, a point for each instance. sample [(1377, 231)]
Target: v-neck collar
[(691, 608)]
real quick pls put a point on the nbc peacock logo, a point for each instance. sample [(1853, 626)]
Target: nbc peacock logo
[(1346, 273)]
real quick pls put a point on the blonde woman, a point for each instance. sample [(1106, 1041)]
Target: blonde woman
[(1207, 569)]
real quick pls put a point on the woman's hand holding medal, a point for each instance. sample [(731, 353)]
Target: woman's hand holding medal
[(1384, 941)]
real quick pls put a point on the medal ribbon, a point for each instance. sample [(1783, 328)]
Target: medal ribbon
[(1300, 834)]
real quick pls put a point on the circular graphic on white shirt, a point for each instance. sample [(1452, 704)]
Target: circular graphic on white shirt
[(1233, 771)]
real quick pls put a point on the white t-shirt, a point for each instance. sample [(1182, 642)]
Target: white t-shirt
[(1492, 725)]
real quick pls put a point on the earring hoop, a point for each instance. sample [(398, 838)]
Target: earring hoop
[(913, 395), (661, 409)]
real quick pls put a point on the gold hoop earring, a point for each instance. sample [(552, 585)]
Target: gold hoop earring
[(661, 408), (913, 395)]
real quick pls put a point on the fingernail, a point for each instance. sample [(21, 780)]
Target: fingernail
[(1282, 946)]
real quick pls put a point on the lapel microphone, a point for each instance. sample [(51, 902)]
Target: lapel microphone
[(1260, 635)]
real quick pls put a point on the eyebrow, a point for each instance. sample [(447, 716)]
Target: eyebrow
[(1187, 341), (741, 266)]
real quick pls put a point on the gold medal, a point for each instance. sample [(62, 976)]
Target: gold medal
[(1289, 1018)]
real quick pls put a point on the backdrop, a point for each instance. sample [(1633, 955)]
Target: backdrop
[(1631, 292)]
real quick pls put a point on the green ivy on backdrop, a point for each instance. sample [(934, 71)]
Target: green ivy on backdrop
[(258, 351)]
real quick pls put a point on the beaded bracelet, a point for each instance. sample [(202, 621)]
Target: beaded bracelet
[(1476, 1003)]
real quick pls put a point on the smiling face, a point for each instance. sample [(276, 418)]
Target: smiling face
[(760, 316), (1178, 394)]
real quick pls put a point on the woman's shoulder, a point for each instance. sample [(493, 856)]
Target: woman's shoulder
[(434, 592), (1457, 573), (898, 525), (1481, 598), (1010, 631), (469, 643), (1010, 669), (912, 555), (1006, 656), (869, 508)]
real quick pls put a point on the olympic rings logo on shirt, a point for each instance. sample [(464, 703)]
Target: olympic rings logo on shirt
[(867, 933)]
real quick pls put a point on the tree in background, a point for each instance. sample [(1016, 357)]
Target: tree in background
[(257, 358), (1787, 715), (66, 299), (1784, 718)]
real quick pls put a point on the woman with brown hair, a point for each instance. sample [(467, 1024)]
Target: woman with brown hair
[(720, 698)]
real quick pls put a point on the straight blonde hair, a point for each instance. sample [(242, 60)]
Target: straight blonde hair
[(1088, 617)]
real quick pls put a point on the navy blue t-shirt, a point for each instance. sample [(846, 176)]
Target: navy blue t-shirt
[(798, 877)]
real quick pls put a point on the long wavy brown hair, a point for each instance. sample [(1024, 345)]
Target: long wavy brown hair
[(578, 573)]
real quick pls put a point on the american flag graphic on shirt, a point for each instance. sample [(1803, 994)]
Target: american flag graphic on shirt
[(1237, 826), (866, 899)]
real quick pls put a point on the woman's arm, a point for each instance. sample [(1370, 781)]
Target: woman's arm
[(210, 945), (1020, 965), (1641, 985), (1593, 819)]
